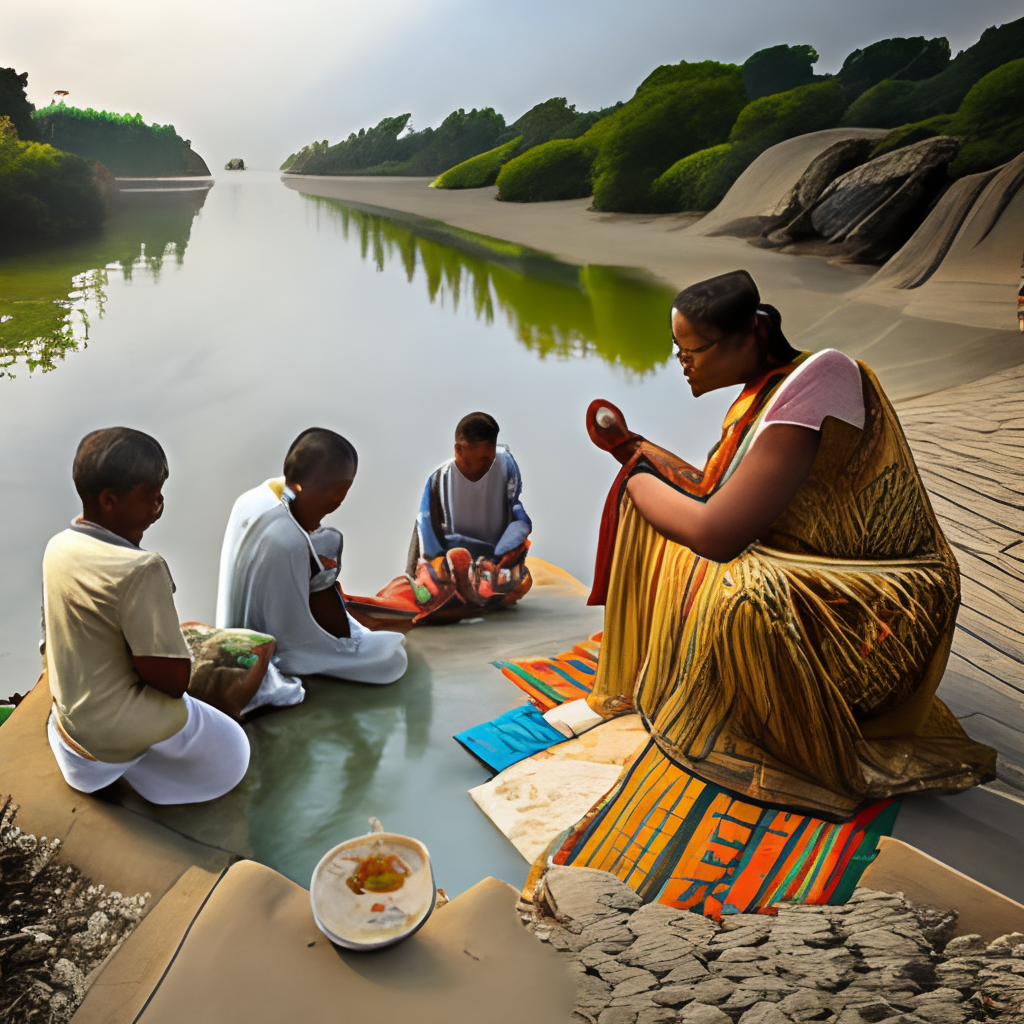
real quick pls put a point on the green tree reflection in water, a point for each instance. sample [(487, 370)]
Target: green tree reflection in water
[(556, 309), (49, 294)]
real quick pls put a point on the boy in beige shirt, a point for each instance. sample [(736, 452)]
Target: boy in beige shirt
[(117, 663)]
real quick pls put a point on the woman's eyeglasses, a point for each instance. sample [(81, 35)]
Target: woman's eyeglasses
[(682, 353)]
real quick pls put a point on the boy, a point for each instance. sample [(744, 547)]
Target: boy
[(472, 528), (279, 569), (117, 663)]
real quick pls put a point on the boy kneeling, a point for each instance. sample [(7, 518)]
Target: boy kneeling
[(279, 569), (117, 662)]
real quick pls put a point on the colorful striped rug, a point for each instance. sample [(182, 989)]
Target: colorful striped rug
[(677, 840), (549, 682)]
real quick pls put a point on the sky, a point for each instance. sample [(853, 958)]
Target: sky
[(259, 80)]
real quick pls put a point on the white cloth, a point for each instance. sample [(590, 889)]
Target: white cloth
[(202, 761), (479, 509), (265, 572), (827, 383)]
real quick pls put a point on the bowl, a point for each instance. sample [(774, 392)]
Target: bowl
[(373, 891)]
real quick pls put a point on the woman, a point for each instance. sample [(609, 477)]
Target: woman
[(781, 619)]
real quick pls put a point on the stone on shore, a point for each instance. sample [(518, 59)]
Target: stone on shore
[(877, 958)]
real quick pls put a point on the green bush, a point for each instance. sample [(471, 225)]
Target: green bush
[(701, 180), (990, 121), (908, 134), (559, 169), (891, 103), (694, 183), (655, 129), (478, 171), (553, 119), (773, 119), (44, 193), (885, 105), (123, 143), (778, 69)]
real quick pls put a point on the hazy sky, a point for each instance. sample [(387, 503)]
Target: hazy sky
[(260, 79)]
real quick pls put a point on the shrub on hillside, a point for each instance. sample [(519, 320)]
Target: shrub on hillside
[(384, 149), (44, 193), (478, 171), (778, 69), (701, 181), (910, 58), (14, 103), (773, 119), (559, 169), (885, 105), (655, 129), (458, 137), (123, 143), (555, 118), (990, 121), (891, 103), (696, 181)]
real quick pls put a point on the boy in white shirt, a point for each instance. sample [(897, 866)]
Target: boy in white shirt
[(117, 663)]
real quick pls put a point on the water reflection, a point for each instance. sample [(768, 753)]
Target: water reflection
[(48, 295), (555, 308)]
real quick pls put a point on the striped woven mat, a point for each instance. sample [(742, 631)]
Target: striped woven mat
[(549, 682), (678, 840)]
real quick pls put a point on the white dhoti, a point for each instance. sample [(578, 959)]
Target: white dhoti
[(202, 761)]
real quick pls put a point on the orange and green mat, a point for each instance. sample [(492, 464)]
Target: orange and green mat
[(678, 840)]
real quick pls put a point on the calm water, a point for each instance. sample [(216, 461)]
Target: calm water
[(226, 323)]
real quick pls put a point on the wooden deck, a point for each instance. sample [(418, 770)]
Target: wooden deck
[(969, 445)]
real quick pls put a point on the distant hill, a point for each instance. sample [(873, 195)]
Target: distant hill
[(123, 143)]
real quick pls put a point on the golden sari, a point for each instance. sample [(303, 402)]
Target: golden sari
[(802, 674)]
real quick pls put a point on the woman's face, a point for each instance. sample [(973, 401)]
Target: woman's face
[(712, 359)]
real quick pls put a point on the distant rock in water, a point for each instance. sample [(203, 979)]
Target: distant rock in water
[(237, 164)]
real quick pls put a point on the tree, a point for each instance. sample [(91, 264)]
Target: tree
[(14, 103), (778, 69)]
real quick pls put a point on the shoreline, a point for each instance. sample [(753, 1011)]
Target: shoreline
[(824, 305)]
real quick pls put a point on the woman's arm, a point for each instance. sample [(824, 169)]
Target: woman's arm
[(764, 483)]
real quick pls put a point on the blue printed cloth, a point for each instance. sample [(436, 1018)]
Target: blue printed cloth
[(510, 737)]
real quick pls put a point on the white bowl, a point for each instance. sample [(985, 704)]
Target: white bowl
[(372, 920)]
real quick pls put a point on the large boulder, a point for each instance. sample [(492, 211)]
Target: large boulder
[(794, 212), (872, 208), (759, 199)]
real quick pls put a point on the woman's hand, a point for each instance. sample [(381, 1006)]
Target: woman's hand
[(744, 508)]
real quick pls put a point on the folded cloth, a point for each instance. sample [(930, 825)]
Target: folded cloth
[(573, 718), (510, 737)]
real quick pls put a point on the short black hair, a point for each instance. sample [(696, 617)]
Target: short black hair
[(476, 427), (318, 451), (118, 459), (730, 302)]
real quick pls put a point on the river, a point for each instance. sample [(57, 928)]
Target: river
[(224, 324)]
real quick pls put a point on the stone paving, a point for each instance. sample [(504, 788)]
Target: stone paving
[(878, 958)]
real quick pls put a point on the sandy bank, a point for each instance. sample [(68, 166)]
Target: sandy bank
[(823, 305)]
